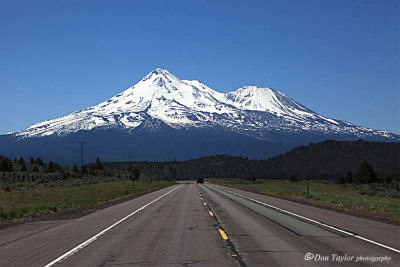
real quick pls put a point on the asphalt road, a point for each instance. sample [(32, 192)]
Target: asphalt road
[(203, 225)]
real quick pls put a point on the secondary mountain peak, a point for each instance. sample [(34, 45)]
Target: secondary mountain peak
[(160, 98)]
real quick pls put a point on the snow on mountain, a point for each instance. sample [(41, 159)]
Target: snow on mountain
[(250, 110)]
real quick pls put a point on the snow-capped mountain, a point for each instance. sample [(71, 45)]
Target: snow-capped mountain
[(160, 97), (163, 117)]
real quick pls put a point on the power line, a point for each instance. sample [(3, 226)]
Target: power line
[(81, 142)]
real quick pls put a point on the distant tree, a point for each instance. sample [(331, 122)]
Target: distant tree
[(35, 168), (65, 174), (3, 164), (31, 161), (293, 178), (6, 165), (92, 169), (84, 169), (10, 165), (39, 161), (135, 173), (348, 178), (365, 174), (23, 168), (75, 168), (51, 167), (251, 177), (98, 164), (21, 161), (388, 179), (57, 166), (323, 176)]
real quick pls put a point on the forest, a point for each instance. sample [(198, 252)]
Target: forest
[(341, 161)]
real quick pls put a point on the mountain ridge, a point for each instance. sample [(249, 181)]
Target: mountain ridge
[(163, 118), (249, 110)]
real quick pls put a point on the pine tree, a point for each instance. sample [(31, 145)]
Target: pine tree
[(23, 168), (388, 179), (57, 166), (92, 169), (21, 161), (39, 161), (50, 167), (98, 164), (32, 160), (293, 178), (10, 165), (84, 170), (6, 165), (365, 174), (135, 173), (348, 178), (75, 168), (3, 165)]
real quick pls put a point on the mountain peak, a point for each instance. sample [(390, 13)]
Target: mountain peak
[(161, 97), (160, 71)]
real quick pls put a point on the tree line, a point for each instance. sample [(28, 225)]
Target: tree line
[(341, 161)]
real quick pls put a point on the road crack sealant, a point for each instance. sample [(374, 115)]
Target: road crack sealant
[(234, 252), (321, 225), (291, 223)]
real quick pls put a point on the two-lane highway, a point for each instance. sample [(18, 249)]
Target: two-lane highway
[(270, 236), (195, 225)]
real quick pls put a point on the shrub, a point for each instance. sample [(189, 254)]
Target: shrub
[(365, 174), (293, 178)]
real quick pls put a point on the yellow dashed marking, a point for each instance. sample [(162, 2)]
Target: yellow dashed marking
[(205, 204), (212, 214), (224, 236), (202, 198)]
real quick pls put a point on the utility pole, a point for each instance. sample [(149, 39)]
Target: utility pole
[(82, 151)]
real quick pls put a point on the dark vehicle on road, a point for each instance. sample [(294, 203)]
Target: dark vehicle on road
[(200, 180)]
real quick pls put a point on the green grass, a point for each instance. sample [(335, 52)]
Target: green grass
[(28, 200), (366, 197)]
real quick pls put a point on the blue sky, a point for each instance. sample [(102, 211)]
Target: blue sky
[(338, 58)]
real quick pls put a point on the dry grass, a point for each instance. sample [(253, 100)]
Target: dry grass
[(29, 200), (374, 199)]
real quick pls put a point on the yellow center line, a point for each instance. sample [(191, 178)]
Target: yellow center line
[(212, 214), (205, 204), (202, 198), (224, 236)]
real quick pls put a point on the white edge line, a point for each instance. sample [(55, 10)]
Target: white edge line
[(316, 222), (90, 240)]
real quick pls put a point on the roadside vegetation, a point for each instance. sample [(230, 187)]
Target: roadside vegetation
[(361, 191), (355, 176), (34, 188), (372, 199)]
